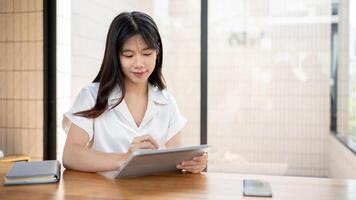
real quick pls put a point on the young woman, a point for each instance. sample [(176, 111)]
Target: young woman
[(126, 108)]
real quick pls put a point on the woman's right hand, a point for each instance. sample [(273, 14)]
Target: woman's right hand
[(143, 142)]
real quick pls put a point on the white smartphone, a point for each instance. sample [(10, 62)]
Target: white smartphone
[(256, 188)]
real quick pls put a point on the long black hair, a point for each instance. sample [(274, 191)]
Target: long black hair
[(124, 26)]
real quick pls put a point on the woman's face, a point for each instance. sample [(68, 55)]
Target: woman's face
[(137, 60)]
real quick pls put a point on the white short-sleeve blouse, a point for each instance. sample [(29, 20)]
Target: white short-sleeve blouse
[(114, 130)]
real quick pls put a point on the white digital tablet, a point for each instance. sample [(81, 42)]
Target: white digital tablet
[(149, 162)]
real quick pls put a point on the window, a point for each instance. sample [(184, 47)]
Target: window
[(346, 74), (269, 69), (352, 73)]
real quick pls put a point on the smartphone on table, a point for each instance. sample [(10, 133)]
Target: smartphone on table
[(256, 188)]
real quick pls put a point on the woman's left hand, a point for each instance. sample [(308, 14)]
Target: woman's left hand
[(196, 165)]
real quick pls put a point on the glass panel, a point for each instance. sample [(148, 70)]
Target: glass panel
[(352, 74), (179, 24), (346, 73), (269, 69)]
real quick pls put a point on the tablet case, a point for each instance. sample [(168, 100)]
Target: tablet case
[(149, 162), (33, 172)]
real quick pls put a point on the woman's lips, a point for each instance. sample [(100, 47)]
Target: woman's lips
[(139, 74)]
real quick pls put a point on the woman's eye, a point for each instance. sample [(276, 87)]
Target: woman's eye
[(147, 54), (128, 56)]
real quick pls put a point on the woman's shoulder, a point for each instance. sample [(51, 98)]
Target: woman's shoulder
[(168, 95), (162, 96), (86, 98), (90, 90)]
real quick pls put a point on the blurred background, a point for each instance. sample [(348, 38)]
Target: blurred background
[(281, 88)]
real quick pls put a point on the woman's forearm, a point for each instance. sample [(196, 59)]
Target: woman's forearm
[(81, 158)]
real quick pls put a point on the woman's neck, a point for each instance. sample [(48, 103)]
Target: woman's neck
[(136, 89)]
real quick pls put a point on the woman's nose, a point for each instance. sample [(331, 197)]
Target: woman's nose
[(139, 62)]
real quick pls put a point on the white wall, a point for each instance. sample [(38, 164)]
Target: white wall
[(63, 67)]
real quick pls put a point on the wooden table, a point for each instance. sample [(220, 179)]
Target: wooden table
[(215, 186)]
